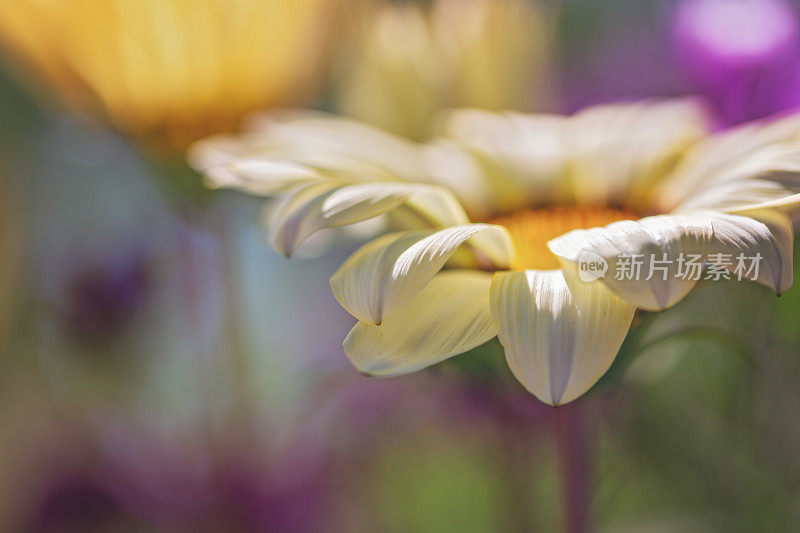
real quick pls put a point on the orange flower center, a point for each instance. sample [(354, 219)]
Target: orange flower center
[(531, 229)]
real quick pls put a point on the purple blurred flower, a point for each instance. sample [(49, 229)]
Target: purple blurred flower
[(101, 295), (154, 487), (76, 500), (744, 55)]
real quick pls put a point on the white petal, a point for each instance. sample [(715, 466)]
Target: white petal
[(605, 153), (523, 156), (450, 316), (337, 148), (652, 239), (788, 205), (214, 151), (386, 274), (261, 176), (450, 164), (559, 338), (329, 205), (747, 166), (334, 143), (766, 232), (660, 241), (618, 151)]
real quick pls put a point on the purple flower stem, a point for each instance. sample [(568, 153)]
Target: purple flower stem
[(570, 433)]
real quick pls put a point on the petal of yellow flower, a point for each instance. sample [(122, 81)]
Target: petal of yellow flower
[(751, 165), (634, 251), (767, 233), (331, 204), (450, 316), (387, 273), (559, 338)]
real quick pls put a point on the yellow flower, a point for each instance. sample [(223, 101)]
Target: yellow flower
[(172, 71), (624, 180), (411, 61)]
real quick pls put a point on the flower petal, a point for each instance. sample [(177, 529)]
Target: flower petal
[(747, 166), (654, 243), (335, 144), (619, 151), (330, 204), (788, 205), (450, 316), (767, 233), (559, 338), (661, 279), (261, 176), (609, 153), (450, 164), (388, 273), (522, 155), (214, 151)]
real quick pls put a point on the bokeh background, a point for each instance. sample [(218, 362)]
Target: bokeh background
[(162, 369)]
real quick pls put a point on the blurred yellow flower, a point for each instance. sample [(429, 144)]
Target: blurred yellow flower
[(642, 179), (411, 61), (172, 71)]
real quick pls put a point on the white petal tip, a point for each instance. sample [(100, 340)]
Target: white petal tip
[(284, 248), (287, 253)]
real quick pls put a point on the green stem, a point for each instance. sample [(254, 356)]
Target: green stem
[(709, 333)]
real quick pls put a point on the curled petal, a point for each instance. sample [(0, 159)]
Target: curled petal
[(647, 259), (559, 337), (763, 233), (387, 273), (450, 316), (329, 205), (642, 256)]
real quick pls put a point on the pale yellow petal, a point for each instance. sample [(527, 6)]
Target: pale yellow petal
[(329, 205), (559, 338), (386, 274), (450, 316)]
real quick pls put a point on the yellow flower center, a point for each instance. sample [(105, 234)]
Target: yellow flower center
[(531, 229)]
